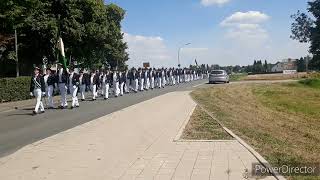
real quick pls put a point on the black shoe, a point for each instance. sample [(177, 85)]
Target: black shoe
[(77, 106), (34, 113), (61, 107), (71, 107), (82, 99), (105, 98), (42, 112)]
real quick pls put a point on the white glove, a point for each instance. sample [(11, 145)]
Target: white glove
[(31, 94)]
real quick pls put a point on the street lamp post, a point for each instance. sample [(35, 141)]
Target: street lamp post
[(179, 53)]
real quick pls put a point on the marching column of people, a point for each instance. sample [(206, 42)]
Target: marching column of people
[(102, 83)]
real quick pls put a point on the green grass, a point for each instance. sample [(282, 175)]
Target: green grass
[(238, 76), (281, 121), (202, 127), (313, 83)]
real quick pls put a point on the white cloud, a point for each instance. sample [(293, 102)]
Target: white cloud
[(250, 17), (246, 28), (214, 2), (147, 49)]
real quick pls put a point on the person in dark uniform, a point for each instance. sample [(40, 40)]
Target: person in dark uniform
[(94, 82), (37, 89), (62, 79), (74, 86), (122, 81), (82, 85), (50, 81)]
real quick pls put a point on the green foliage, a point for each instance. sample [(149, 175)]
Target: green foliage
[(90, 29), (306, 29), (14, 89)]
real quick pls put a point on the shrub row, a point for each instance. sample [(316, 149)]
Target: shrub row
[(14, 89)]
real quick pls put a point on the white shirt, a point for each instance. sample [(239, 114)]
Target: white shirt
[(46, 79)]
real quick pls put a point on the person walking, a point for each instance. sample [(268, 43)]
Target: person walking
[(94, 81), (122, 81), (106, 79), (62, 79), (37, 89), (50, 82), (115, 78), (82, 85), (74, 82)]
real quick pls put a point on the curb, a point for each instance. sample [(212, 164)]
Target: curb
[(261, 159)]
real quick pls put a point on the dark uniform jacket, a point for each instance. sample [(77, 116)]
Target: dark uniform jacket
[(64, 77), (75, 79), (51, 80), (37, 83), (95, 80)]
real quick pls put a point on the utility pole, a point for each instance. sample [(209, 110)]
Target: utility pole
[(16, 47)]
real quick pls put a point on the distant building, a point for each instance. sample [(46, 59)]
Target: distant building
[(286, 64)]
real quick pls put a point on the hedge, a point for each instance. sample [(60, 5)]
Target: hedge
[(14, 89)]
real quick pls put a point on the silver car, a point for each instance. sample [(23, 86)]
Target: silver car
[(218, 76)]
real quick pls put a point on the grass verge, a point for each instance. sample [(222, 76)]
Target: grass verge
[(202, 127), (281, 121), (238, 76)]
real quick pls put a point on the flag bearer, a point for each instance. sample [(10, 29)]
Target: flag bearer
[(62, 83), (49, 81), (74, 80), (37, 89)]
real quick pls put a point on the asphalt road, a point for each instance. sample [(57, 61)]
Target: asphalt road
[(19, 128)]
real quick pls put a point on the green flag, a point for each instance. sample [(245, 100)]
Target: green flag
[(61, 56)]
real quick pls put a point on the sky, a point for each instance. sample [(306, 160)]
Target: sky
[(224, 32)]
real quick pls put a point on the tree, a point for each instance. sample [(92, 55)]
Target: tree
[(306, 29), (90, 29), (301, 65)]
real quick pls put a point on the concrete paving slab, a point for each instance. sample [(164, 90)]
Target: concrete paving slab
[(134, 143)]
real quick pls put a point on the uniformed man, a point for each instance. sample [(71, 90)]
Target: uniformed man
[(37, 89), (127, 84), (106, 79), (74, 78), (50, 82), (62, 79), (122, 81), (141, 80), (159, 78), (94, 81), (82, 85), (152, 76), (135, 80), (163, 78), (115, 78), (146, 76)]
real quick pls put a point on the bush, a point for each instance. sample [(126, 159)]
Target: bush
[(14, 89)]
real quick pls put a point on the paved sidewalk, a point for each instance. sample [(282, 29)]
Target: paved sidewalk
[(134, 143)]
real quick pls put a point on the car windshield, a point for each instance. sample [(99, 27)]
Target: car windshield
[(216, 72)]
